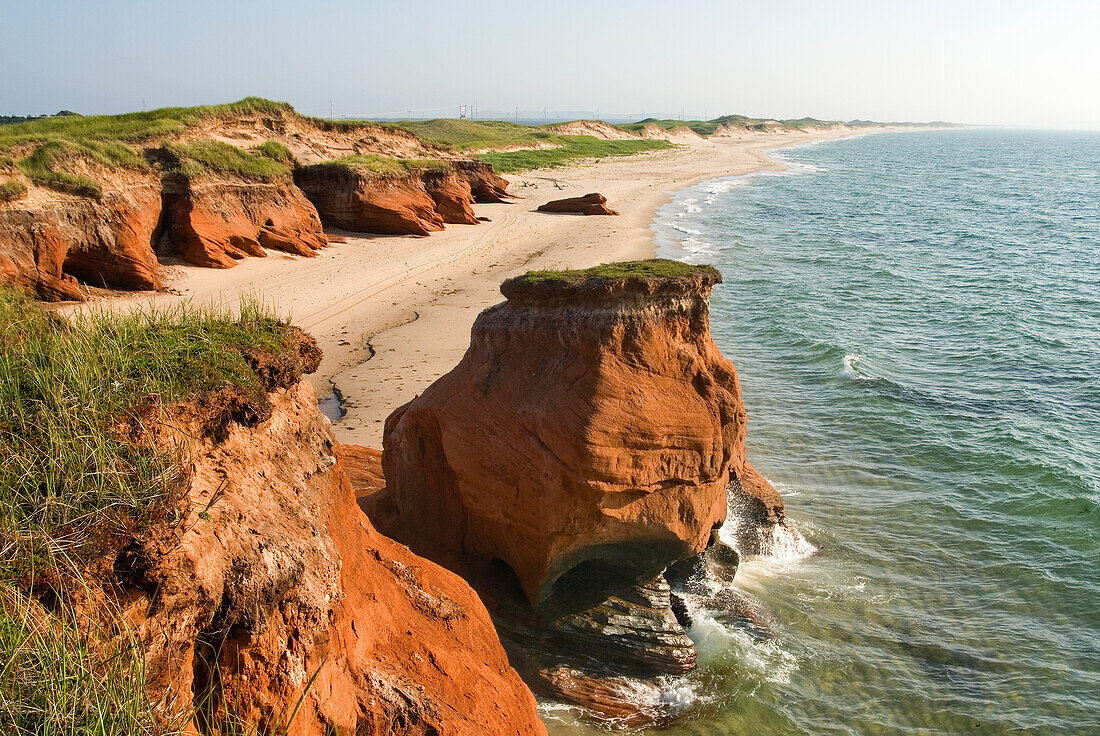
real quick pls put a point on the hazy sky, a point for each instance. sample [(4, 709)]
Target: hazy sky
[(1004, 61)]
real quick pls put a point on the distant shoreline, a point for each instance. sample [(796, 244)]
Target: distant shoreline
[(392, 314)]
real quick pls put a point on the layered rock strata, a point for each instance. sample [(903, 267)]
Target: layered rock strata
[(419, 202), (52, 244), (215, 222), (586, 438), (76, 220)]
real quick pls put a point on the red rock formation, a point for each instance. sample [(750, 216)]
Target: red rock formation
[(589, 204), (452, 196), (485, 183), (50, 243), (586, 438), (273, 578), (216, 221), (369, 204)]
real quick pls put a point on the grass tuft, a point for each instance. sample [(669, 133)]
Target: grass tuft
[(373, 163), (57, 680), (276, 152), (215, 156), (11, 190)]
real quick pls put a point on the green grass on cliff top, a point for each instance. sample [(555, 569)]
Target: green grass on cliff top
[(476, 135), (70, 475), (67, 470), (655, 268), (572, 148), (130, 127), (373, 163)]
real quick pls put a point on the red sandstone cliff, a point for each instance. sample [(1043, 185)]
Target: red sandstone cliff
[(575, 467), (216, 221), (51, 242), (55, 244), (272, 575), (589, 432)]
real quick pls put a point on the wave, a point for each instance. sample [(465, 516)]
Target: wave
[(851, 368)]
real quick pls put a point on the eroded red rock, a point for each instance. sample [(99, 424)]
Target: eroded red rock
[(275, 578), (369, 204), (51, 244), (589, 204), (586, 439), (215, 222)]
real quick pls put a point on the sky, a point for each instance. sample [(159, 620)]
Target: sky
[(972, 61)]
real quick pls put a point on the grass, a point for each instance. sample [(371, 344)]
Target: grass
[(74, 474), (465, 136), (655, 268), (56, 680), (11, 190), (572, 148), (215, 156), (130, 127), (384, 165), (61, 674), (60, 141), (276, 152), (473, 135), (46, 165), (69, 473)]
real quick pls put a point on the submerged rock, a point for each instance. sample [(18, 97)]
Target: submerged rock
[(757, 511)]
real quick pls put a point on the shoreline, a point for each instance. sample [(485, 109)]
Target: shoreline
[(388, 336)]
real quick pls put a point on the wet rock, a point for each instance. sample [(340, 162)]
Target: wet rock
[(757, 509)]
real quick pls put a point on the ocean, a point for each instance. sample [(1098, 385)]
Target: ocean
[(915, 318)]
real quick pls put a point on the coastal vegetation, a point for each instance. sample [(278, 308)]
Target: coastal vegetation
[(202, 156), (128, 127), (55, 151), (571, 148), (71, 470), (79, 476), (57, 679), (653, 268), (11, 189), (374, 163), (532, 147)]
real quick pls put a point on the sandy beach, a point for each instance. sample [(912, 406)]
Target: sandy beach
[(392, 314)]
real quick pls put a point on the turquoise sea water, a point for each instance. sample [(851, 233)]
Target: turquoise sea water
[(916, 322)]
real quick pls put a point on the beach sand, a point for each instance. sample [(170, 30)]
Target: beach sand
[(392, 314)]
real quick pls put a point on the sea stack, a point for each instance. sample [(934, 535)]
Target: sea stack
[(586, 440)]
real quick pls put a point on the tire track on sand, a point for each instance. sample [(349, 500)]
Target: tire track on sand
[(482, 245)]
